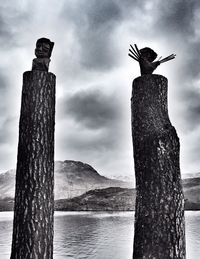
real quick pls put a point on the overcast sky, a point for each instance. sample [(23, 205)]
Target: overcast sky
[(94, 74)]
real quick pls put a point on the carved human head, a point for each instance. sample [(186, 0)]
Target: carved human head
[(43, 48), (148, 54)]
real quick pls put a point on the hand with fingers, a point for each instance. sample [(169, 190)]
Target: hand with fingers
[(146, 57)]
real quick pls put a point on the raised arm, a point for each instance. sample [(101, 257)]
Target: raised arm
[(134, 53), (146, 57)]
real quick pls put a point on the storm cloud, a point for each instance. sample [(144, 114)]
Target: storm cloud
[(94, 74), (93, 109)]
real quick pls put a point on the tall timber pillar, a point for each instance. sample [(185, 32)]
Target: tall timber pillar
[(34, 194), (159, 216)]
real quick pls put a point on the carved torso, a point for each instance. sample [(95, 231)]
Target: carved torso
[(41, 64)]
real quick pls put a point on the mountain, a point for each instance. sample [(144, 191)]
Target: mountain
[(124, 178), (78, 186), (72, 178)]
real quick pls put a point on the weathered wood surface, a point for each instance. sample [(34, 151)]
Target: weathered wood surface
[(159, 216), (34, 198)]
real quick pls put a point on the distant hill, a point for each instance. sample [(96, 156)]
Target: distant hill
[(78, 186), (72, 178), (7, 184), (109, 199), (6, 204), (191, 187), (123, 199)]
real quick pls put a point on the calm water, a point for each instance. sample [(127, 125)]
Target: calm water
[(94, 235)]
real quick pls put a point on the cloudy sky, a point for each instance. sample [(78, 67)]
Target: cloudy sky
[(94, 74)]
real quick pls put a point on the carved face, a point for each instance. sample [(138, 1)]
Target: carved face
[(148, 54), (43, 50)]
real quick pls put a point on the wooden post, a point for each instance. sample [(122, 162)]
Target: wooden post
[(34, 197), (159, 216)]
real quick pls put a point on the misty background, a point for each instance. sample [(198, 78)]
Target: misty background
[(94, 74)]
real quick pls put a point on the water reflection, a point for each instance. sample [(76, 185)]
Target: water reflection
[(91, 235), (192, 234)]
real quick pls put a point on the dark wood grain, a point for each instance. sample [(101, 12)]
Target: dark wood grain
[(34, 197), (159, 217)]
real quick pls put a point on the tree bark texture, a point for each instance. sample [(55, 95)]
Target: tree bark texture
[(34, 197), (159, 216)]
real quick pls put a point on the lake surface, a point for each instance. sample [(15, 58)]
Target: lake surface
[(97, 235)]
